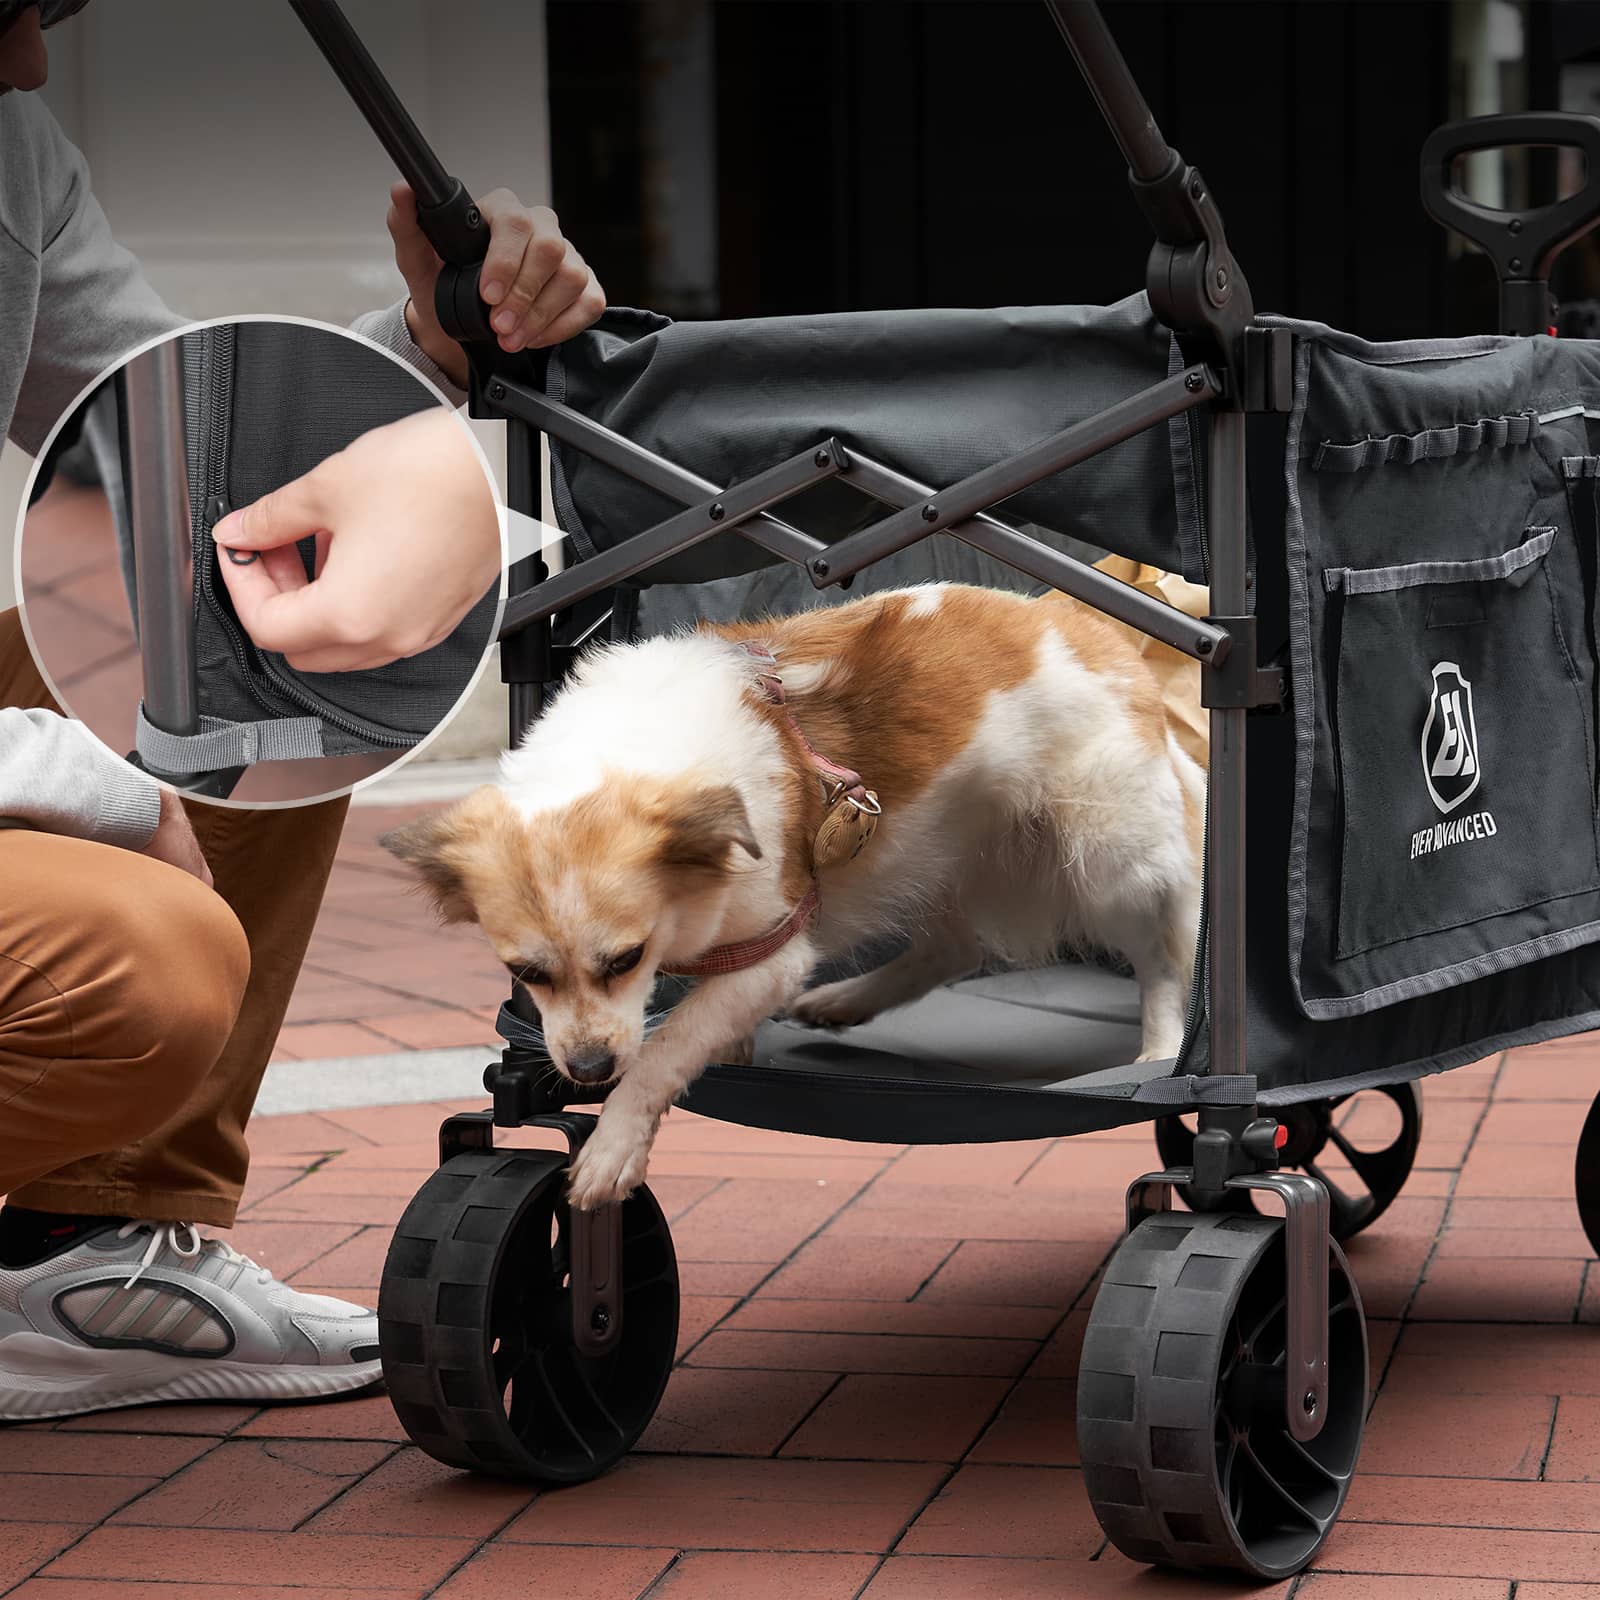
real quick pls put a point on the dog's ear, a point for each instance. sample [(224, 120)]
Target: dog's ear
[(703, 827), (443, 845)]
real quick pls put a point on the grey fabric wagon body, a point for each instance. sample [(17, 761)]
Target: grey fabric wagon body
[(1423, 868), (264, 403)]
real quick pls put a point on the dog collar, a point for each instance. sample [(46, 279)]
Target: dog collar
[(742, 953)]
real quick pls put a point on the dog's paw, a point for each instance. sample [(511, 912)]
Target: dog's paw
[(607, 1169), (1161, 1050), (740, 1053), (836, 1005)]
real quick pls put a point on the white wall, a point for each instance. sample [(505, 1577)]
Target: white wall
[(231, 162)]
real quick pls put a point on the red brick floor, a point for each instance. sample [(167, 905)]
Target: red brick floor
[(381, 973), (875, 1389), (878, 1356)]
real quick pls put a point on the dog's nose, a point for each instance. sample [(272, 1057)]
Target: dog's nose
[(591, 1066)]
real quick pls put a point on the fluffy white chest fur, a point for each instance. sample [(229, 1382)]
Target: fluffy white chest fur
[(662, 814)]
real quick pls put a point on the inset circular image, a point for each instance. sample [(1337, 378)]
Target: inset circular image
[(263, 559)]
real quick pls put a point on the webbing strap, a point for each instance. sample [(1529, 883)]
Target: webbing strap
[(517, 1030), (1214, 1089), (1488, 433), (221, 744), (1420, 574)]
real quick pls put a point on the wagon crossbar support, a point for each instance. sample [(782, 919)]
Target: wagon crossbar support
[(961, 510)]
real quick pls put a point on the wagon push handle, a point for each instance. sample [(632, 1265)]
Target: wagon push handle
[(1523, 245), (1195, 285), (449, 219)]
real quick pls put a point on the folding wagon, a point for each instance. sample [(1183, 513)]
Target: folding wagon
[(1412, 592)]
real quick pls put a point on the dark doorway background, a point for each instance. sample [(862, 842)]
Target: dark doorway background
[(877, 153)]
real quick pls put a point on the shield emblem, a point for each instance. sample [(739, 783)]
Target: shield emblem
[(1450, 764)]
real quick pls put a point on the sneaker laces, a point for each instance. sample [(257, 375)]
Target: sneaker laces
[(165, 1236)]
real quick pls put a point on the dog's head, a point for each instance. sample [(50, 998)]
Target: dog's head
[(583, 903)]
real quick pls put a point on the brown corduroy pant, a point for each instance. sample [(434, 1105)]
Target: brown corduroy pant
[(137, 1007)]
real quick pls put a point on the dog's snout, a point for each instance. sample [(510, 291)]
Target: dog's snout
[(593, 1064)]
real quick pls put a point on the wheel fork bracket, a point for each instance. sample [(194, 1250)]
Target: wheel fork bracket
[(594, 1273), (1305, 1215)]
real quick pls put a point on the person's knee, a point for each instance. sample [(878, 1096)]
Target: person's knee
[(181, 995), (209, 963)]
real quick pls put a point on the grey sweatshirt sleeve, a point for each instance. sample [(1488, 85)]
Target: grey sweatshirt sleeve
[(89, 304), (56, 778), (73, 302), (388, 328)]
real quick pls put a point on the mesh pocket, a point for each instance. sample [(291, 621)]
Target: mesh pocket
[(1466, 769)]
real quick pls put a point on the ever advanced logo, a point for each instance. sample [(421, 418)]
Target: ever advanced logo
[(1451, 766)]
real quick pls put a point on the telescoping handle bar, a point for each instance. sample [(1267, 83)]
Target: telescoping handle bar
[(1195, 285), (453, 224), (1115, 90), (1523, 245)]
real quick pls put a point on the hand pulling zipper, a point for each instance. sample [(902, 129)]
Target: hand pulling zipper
[(209, 496)]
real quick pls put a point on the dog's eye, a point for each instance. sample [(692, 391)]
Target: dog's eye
[(526, 972), (624, 961)]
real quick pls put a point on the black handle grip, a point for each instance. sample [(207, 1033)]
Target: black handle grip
[(1523, 245)]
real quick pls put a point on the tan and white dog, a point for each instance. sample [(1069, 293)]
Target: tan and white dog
[(662, 816)]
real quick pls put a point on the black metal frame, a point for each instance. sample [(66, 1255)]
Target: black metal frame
[(150, 392), (1197, 289), (159, 514)]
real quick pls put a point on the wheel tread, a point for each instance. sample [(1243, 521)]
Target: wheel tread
[(1147, 1386), (435, 1305)]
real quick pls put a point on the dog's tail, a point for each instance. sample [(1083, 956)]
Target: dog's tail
[(1190, 773), (1192, 780), (805, 680)]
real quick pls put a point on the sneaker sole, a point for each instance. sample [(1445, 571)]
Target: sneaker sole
[(42, 1377)]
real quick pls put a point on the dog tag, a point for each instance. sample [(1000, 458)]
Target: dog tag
[(845, 829)]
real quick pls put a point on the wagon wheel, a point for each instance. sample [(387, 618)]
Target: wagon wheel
[(475, 1323), (1312, 1126), (1586, 1176), (1187, 1455)]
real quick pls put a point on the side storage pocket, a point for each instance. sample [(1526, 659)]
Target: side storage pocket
[(1465, 732)]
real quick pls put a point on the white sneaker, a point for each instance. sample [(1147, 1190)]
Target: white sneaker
[(152, 1311)]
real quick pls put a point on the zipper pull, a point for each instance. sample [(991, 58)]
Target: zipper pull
[(217, 508)]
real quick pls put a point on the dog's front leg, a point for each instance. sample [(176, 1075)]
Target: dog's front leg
[(716, 1012)]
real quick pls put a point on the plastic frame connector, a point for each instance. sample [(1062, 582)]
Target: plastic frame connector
[(594, 1269), (1305, 1214)]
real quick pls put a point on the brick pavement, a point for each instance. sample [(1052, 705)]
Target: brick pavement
[(875, 1390)]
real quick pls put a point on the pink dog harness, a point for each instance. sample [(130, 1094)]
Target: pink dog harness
[(838, 783)]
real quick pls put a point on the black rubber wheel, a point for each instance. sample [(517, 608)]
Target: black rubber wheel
[(1312, 1126), (1586, 1176), (475, 1323), (1187, 1456)]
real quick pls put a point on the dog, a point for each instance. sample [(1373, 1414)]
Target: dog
[(987, 775)]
